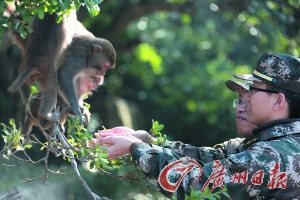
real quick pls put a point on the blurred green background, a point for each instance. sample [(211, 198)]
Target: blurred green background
[(173, 57)]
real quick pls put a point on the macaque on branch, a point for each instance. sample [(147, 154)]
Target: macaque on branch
[(57, 56), (41, 50)]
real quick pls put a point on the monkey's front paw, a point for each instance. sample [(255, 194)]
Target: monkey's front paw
[(54, 117), (78, 115)]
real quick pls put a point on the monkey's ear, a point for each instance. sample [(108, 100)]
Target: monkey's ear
[(97, 48)]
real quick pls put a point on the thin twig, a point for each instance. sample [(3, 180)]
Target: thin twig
[(74, 164)]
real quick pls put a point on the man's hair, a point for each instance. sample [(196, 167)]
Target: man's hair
[(292, 98)]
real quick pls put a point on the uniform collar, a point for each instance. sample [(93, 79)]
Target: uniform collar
[(274, 129)]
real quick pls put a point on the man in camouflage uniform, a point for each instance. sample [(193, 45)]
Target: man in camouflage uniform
[(244, 127), (268, 165), (223, 150)]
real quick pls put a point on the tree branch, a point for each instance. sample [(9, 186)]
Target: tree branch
[(74, 163)]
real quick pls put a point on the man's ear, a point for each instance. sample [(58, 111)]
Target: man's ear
[(280, 101)]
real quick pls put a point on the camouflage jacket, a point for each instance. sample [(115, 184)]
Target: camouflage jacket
[(265, 167), (209, 154)]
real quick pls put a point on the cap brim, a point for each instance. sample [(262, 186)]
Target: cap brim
[(236, 86), (247, 77)]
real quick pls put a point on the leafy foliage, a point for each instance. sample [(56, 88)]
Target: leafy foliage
[(161, 139), (27, 9), (13, 140), (173, 59)]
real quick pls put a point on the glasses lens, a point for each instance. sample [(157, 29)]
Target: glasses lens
[(237, 102)]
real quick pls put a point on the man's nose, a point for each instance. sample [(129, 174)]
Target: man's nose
[(247, 95), (243, 105)]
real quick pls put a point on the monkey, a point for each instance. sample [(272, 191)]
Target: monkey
[(85, 56), (80, 58), (41, 50), (84, 86)]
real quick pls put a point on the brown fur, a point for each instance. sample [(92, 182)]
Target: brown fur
[(41, 51)]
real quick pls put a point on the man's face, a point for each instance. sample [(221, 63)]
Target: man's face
[(244, 127), (260, 104)]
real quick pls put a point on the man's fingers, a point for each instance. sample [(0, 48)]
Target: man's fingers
[(101, 135), (122, 129), (111, 157), (105, 140), (106, 131)]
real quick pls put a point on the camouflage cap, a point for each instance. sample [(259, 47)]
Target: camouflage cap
[(280, 70), (236, 86)]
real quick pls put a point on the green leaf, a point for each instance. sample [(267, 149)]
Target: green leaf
[(165, 138), (3, 20), (40, 12), (22, 32), (159, 127), (54, 2), (27, 146), (84, 151), (197, 193), (62, 4), (104, 161), (1, 30), (226, 194), (94, 11), (104, 155), (26, 15), (59, 18), (86, 105), (96, 2), (92, 165), (34, 90), (206, 191), (12, 123), (98, 162), (2, 3), (77, 4)]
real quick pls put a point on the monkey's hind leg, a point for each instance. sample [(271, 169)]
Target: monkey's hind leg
[(48, 102), (49, 90), (26, 129)]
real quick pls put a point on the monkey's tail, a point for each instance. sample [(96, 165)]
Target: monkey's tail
[(21, 79)]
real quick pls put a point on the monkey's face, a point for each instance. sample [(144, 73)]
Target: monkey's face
[(102, 58), (87, 84), (99, 66)]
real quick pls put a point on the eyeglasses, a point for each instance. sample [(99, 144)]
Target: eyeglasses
[(237, 102), (269, 91), (251, 88)]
